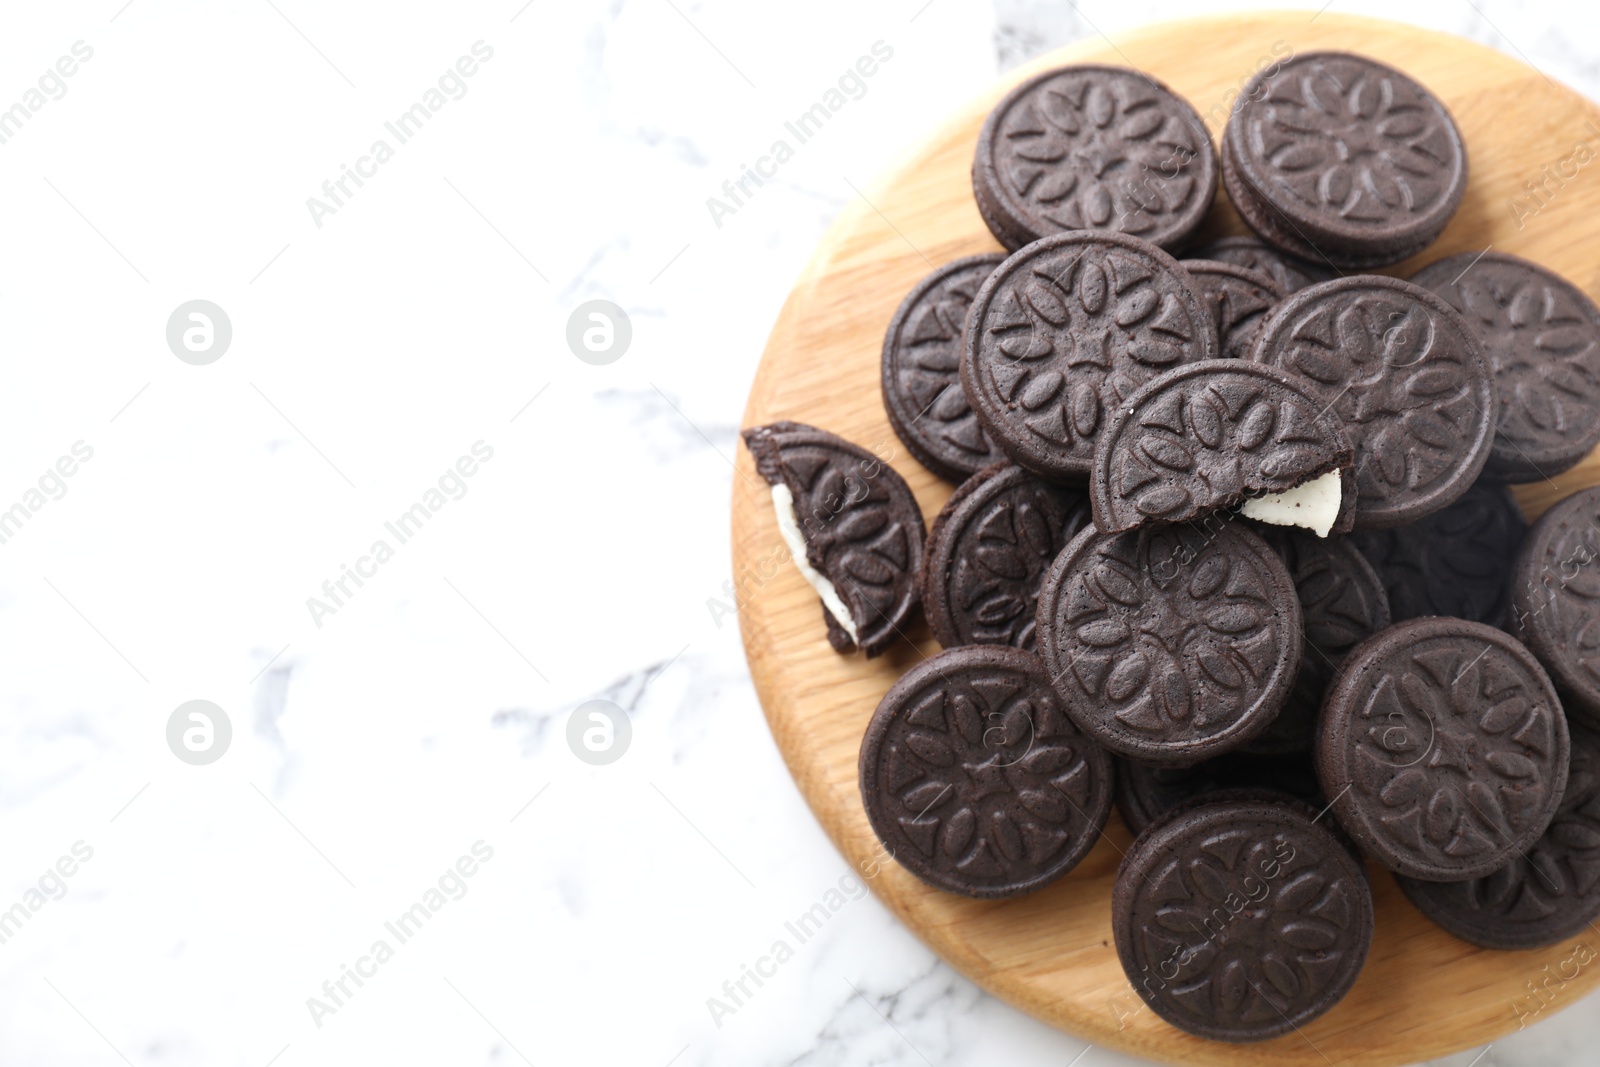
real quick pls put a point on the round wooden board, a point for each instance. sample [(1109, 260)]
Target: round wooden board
[(1423, 993)]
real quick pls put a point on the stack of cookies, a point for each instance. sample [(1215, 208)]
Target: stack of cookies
[(1232, 546)]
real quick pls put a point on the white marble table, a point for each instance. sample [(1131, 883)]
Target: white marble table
[(552, 531)]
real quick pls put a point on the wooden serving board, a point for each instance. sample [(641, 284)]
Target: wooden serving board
[(1423, 993)]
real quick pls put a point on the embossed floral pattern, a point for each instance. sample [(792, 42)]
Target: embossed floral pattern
[(1540, 897), (864, 547), (1197, 439), (986, 782), (1565, 863), (1003, 541), (1456, 754), (1570, 581), (1542, 339), (1557, 598), (1401, 372), (1165, 639), (1102, 149), (1242, 928), (1350, 139), (1342, 603), (862, 527), (1238, 303), (922, 363), (1069, 332)]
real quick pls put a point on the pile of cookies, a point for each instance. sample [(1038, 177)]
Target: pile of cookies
[(1232, 545)]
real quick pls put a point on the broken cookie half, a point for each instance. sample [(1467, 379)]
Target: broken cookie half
[(852, 527), (1220, 434)]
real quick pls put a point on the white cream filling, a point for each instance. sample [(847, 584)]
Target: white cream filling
[(789, 527), (1313, 504)]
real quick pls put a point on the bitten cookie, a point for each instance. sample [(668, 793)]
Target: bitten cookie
[(852, 526), (1215, 434)]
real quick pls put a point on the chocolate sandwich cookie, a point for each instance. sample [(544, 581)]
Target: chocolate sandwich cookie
[(1064, 331), (922, 372), (1239, 300), (1405, 374), (1252, 253), (1145, 791), (1276, 230), (1332, 156), (1313, 807), (988, 552), (1093, 148), (1170, 644), (1241, 920), (1214, 434), (852, 526), (1455, 562), (1342, 603), (975, 781), (1540, 898), (1443, 748), (1556, 599), (1541, 335)]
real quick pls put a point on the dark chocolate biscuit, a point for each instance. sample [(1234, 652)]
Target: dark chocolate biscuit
[(1556, 599), (1541, 335), (1272, 228), (988, 552), (1146, 791), (1313, 807), (1064, 331), (1342, 601), (922, 372), (1209, 435), (1239, 300), (1241, 920), (860, 528), (1405, 374), (1455, 562), (1170, 644), (1093, 148), (975, 781), (1252, 253), (1339, 156), (1443, 748), (1540, 898)]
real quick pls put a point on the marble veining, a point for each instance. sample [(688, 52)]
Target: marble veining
[(429, 718)]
